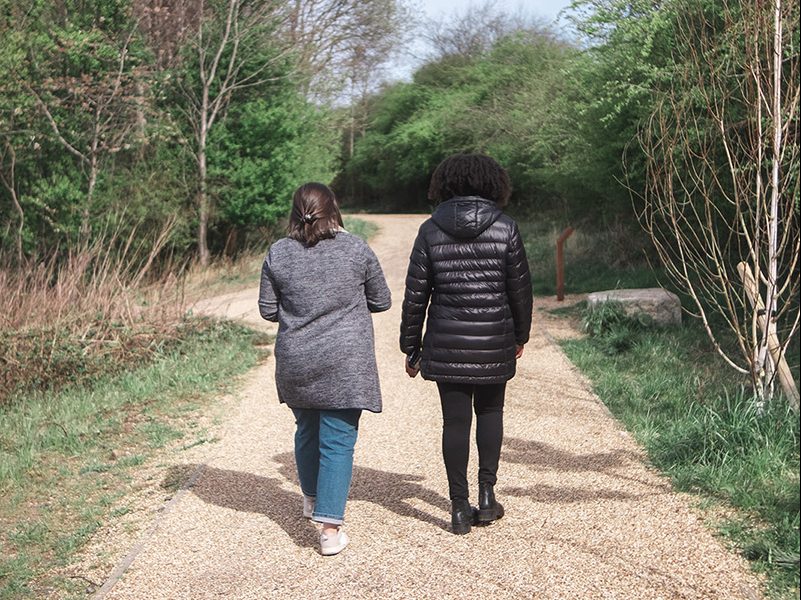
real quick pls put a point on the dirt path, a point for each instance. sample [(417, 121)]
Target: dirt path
[(585, 517)]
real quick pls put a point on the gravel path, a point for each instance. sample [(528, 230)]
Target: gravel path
[(585, 517)]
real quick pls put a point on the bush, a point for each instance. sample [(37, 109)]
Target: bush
[(611, 329)]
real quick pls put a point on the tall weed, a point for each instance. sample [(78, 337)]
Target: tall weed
[(87, 311), (611, 329)]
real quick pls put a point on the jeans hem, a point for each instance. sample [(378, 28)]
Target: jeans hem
[(326, 519)]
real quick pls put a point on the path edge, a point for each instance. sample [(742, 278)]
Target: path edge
[(140, 544)]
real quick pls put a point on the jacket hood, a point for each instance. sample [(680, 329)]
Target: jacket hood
[(466, 216)]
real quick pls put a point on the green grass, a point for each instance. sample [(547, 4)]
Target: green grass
[(700, 426), (360, 227), (595, 259), (66, 457)]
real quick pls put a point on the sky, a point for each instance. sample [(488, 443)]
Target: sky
[(548, 9), (403, 66)]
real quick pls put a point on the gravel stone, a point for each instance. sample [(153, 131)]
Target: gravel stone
[(585, 516)]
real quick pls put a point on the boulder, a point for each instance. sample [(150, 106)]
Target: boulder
[(662, 306)]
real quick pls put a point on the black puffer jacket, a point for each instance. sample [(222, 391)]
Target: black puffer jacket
[(469, 261)]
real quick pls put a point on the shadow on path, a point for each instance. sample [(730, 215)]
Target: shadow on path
[(539, 454), (253, 493), (397, 492), (385, 488), (247, 492), (544, 457)]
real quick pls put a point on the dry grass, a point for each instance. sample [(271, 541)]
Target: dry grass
[(223, 275), (92, 310)]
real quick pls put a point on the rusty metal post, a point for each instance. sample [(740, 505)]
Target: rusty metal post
[(560, 263)]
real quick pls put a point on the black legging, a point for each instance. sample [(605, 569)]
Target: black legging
[(458, 400)]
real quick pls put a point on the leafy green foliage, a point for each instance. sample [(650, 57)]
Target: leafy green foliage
[(498, 102), (559, 118), (263, 151), (93, 135)]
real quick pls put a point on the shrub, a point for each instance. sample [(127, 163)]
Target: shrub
[(611, 329)]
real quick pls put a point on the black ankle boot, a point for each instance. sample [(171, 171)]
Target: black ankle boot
[(461, 517), (489, 509)]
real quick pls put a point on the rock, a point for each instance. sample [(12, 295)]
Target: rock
[(662, 306)]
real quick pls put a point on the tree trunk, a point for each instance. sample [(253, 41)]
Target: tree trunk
[(231, 242), (352, 132), (141, 119), (203, 207), (90, 194), (10, 185), (20, 226)]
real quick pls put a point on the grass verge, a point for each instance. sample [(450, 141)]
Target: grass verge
[(701, 428), (66, 457), (360, 227)]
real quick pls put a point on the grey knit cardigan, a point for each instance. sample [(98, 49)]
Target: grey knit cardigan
[(322, 297)]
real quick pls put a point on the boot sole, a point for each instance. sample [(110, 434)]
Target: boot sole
[(488, 515), (463, 530)]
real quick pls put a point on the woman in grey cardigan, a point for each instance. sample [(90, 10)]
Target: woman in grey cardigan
[(320, 283)]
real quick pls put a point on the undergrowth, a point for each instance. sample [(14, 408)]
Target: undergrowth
[(595, 259), (701, 426), (95, 309)]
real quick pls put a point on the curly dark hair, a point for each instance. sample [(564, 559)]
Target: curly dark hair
[(470, 175)]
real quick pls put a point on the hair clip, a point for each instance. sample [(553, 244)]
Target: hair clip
[(307, 218)]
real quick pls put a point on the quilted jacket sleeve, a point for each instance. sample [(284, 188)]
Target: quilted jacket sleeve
[(518, 286), (419, 281)]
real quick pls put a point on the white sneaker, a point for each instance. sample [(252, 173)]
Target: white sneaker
[(330, 545), (308, 506)]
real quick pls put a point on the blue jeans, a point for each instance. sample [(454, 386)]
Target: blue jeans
[(324, 441)]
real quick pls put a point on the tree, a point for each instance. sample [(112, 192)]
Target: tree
[(231, 50), (332, 38), (722, 195), (246, 45), (84, 85), (507, 100), (267, 146), (628, 50)]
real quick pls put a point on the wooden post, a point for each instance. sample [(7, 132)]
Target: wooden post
[(560, 264), (774, 347)]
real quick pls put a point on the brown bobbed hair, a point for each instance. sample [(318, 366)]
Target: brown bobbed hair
[(470, 175), (315, 214)]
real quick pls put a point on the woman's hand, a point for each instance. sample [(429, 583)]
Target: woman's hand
[(410, 370), (518, 351)]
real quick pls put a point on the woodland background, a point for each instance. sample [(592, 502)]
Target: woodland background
[(148, 154)]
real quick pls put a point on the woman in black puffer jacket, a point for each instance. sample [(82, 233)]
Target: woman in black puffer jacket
[(469, 268)]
